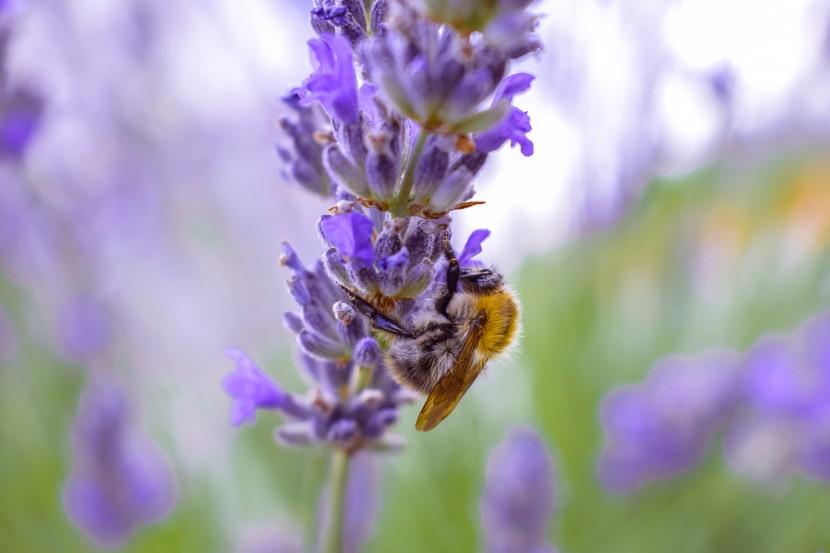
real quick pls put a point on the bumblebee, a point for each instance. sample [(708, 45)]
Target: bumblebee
[(447, 342)]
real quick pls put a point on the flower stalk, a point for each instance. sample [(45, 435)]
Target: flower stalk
[(338, 477), (399, 208)]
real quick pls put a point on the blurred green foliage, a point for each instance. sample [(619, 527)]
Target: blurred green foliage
[(715, 259)]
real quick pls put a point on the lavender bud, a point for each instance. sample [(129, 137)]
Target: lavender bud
[(350, 327), (389, 240), (378, 17), (350, 141), (319, 320), (294, 433), (336, 267), (382, 175), (344, 312), (392, 272), (418, 279), (293, 322), (367, 352), (342, 431), (363, 276), (344, 173), (454, 189), (430, 172), (297, 290), (320, 346)]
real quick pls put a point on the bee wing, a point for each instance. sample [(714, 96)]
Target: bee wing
[(452, 386)]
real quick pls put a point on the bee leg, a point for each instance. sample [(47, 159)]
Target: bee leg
[(453, 274), (376, 318)]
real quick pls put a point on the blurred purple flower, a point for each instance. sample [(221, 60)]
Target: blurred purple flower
[(784, 425), (251, 389), (351, 234), (20, 114), (663, 426), (518, 500), (120, 479), (84, 327), (333, 82)]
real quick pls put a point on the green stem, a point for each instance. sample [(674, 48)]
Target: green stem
[(338, 476), (399, 208)]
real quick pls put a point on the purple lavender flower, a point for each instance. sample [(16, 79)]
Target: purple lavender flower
[(344, 17), (663, 426), (333, 82), (351, 234), (518, 500), (251, 389), (515, 125), (120, 480)]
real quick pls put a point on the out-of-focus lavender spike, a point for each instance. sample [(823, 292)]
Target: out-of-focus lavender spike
[(663, 426), (518, 500), (120, 479), (84, 328)]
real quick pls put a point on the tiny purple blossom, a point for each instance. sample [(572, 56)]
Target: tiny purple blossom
[(250, 388), (333, 82), (473, 247), (351, 233), (516, 123)]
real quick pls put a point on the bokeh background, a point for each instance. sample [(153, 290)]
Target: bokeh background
[(678, 201)]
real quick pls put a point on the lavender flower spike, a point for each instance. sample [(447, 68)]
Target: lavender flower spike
[(333, 82), (518, 500), (120, 480)]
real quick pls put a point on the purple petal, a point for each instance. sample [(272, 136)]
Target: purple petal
[(513, 85), (473, 246), (251, 389), (351, 233), (514, 127), (333, 82)]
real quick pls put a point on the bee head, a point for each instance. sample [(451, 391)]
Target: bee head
[(481, 280)]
